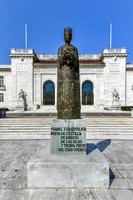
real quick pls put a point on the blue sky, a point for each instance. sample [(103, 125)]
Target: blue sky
[(46, 20)]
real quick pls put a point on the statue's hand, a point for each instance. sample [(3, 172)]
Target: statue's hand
[(67, 56)]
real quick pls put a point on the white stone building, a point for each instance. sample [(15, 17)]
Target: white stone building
[(100, 75)]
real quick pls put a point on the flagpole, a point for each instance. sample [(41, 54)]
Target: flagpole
[(110, 35), (26, 36)]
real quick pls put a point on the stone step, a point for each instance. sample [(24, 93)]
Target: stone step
[(110, 132), (50, 121), (97, 128), (25, 133), (47, 137), (46, 131), (47, 128), (22, 132), (90, 127), (25, 122), (48, 124), (109, 127), (24, 126), (86, 120)]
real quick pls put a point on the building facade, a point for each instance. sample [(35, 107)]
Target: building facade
[(36, 75)]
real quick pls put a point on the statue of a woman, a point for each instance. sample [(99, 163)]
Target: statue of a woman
[(68, 91), (115, 98), (22, 97)]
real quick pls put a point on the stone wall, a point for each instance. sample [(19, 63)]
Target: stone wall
[(129, 85), (114, 75), (6, 90), (22, 75)]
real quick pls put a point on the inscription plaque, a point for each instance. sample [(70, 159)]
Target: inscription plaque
[(68, 137)]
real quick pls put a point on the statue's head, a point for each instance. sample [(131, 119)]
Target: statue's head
[(67, 35)]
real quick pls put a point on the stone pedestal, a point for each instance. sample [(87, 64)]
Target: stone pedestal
[(68, 137), (64, 163), (20, 106), (116, 107), (113, 108), (54, 171)]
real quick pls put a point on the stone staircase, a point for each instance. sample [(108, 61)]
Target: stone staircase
[(39, 128)]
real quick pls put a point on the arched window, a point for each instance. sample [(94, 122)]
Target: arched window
[(87, 93), (48, 93)]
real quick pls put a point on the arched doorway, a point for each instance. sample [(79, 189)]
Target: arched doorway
[(87, 93), (48, 93)]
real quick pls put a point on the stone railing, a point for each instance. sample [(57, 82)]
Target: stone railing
[(81, 56), (122, 50), (22, 51), (47, 56)]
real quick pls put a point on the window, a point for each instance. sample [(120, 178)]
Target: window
[(1, 81), (48, 93), (1, 97), (87, 93)]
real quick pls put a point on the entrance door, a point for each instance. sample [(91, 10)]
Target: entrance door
[(48, 93)]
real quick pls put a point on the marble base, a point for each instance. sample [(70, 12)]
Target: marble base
[(20, 108), (54, 171), (113, 108), (60, 194)]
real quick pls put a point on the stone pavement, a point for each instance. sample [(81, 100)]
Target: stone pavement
[(14, 155)]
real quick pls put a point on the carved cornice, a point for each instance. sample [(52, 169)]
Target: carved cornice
[(24, 53), (121, 52), (114, 54)]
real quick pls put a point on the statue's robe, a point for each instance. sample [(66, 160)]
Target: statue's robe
[(68, 85)]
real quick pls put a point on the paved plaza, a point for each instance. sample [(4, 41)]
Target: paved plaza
[(14, 155)]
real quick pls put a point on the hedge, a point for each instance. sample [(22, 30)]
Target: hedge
[(126, 108)]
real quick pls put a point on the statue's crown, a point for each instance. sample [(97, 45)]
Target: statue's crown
[(68, 30)]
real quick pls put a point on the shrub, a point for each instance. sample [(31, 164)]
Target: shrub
[(126, 108)]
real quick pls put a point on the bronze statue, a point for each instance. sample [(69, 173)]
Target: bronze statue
[(68, 89)]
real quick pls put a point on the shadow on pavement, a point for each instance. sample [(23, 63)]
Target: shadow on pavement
[(102, 145), (91, 147), (111, 176)]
